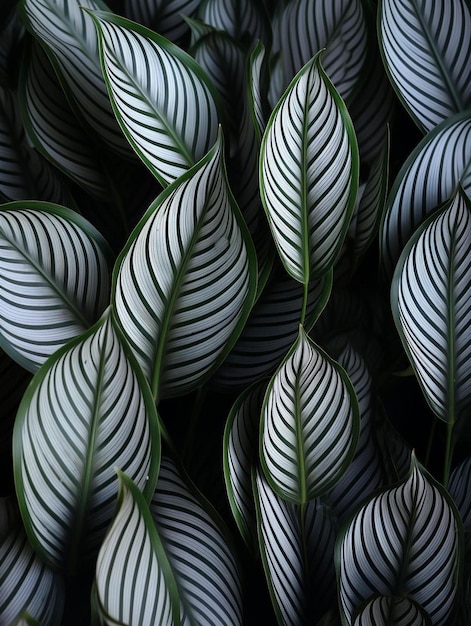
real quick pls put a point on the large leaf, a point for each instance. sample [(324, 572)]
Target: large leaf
[(163, 16), (87, 410), (387, 549), (204, 565), (185, 282), (54, 279), (426, 48), (310, 423), (134, 581), (164, 102), (309, 173), (431, 305), (427, 179)]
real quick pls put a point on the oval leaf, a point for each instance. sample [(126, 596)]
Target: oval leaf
[(54, 279), (87, 410), (309, 173), (310, 423)]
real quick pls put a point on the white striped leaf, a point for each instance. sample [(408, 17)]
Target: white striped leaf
[(427, 179), (164, 102), (71, 41), (87, 410), (310, 423), (244, 20), (431, 305), (405, 542), (460, 490), (258, 88), (26, 583), (392, 611), (202, 560), (134, 582), (426, 48), (185, 282), (302, 28), (54, 279), (309, 173), (297, 549), (163, 16)]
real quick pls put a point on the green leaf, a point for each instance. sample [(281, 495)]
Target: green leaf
[(54, 279), (387, 549), (186, 280), (87, 410), (426, 49), (431, 306), (134, 580), (393, 611), (310, 423), (309, 173), (203, 563), (162, 99)]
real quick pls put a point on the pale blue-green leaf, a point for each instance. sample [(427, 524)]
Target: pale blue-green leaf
[(185, 282), (164, 102), (426, 48), (71, 40), (297, 549), (431, 306), (310, 423), (202, 560), (163, 16), (302, 28), (386, 549), (52, 126), (309, 173), (54, 279), (87, 410), (427, 179), (26, 583), (271, 329), (392, 611), (134, 581), (244, 20)]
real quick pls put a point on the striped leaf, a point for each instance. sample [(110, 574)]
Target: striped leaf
[(297, 548), (185, 282), (134, 583), (54, 279), (70, 38), (243, 20), (163, 16), (204, 566), (163, 101), (428, 178), (309, 173), (393, 611), (87, 410), (258, 88), (386, 549), (27, 584), (459, 488), (426, 48), (310, 423), (302, 28), (431, 305)]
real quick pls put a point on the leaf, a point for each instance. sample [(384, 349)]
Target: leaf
[(426, 49), (163, 101), (163, 16), (27, 583), (386, 549), (430, 300), (134, 581), (392, 610), (204, 565), (87, 410), (185, 282), (54, 279), (309, 173), (310, 424), (244, 20), (427, 179)]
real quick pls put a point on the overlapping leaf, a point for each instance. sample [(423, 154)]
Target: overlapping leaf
[(392, 610), (386, 550), (88, 410), (54, 279), (244, 20), (310, 423), (164, 102), (431, 304), (426, 48), (185, 282), (309, 173), (164, 16)]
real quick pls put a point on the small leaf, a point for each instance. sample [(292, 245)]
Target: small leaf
[(310, 423)]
